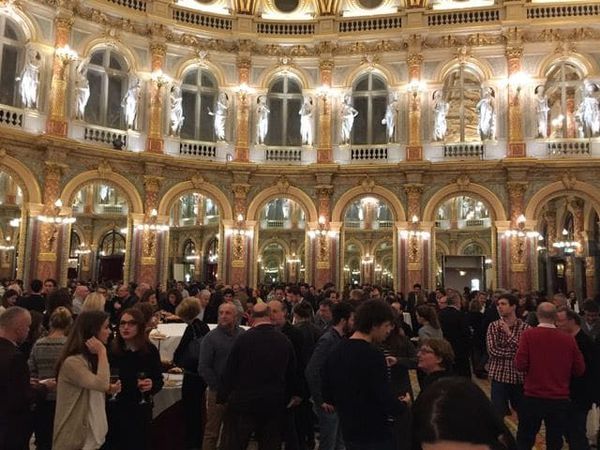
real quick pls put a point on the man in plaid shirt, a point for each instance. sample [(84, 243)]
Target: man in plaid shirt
[(502, 340)]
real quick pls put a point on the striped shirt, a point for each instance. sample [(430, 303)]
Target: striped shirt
[(43, 358), (502, 349)]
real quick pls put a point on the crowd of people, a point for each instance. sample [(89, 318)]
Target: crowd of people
[(294, 366)]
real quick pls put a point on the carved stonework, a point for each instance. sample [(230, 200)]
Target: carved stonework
[(240, 193), (516, 192), (414, 191), (282, 184), (368, 184), (569, 180), (463, 181)]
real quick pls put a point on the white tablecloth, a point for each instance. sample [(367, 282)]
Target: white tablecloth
[(407, 319), (168, 395), (173, 332)]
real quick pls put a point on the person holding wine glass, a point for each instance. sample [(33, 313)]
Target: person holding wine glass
[(138, 364), (83, 380)]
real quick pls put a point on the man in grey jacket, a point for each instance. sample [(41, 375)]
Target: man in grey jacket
[(341, 326), (214, 352)]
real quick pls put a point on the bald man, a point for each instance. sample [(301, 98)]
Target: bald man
[(548, 358), (256, 384), (15, 390)]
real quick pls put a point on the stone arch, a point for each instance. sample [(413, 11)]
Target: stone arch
[(481, 68), (270, 75), (366, 191), (274, 240), (101, 43), (584, 63), (482, 243), (29, 26), (203, 188), (382, 70), (359, 244), (283, 191), (215, 70), (441, 245), (182, 242), (483, 193), (106, 176), (561, 189), (24, 178)]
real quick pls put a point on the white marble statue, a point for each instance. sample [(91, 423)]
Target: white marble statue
[(176, 111), (588, 113), (347, 115), (306, 121), (391, 117), (487, 115), (30, 78), (440, 111), (82, 89), (131, 102), (541, 112), (220, 115), (262, 119)]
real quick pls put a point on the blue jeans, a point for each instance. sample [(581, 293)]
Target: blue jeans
[(533, 411), (330, 435), (505, 393)]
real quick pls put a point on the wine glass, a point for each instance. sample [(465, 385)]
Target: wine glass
[(142, 376), (114, 377)]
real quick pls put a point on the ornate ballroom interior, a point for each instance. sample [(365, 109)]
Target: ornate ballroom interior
[(445, 142)]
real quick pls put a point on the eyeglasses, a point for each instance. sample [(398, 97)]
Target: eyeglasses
[(122, 323)]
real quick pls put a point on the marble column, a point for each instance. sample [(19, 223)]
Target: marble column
[(155, 142), (520, 246), (242, 148), (151, 236), (239, 237), (514, 53), (414, 149), (324, 148), (416, 245)]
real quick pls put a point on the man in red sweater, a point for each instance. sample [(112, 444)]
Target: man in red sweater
[(549, 358)]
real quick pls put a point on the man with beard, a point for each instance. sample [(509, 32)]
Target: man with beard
[(341, 326)]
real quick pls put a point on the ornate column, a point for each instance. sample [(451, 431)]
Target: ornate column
[(57, 120), (239, 238), (590, 275), (49, 234), (414, 149), (242, 148), (324, 149), (416, 244), (520, 245), (514, 53), (155, 142), (151, 232), (323, 246)]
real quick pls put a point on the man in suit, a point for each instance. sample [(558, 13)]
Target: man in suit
[(15, 390), (591, 322), (456, 331)]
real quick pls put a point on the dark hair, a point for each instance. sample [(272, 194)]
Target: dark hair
[(87, 325), (146, 296), (141, 339), (177, 294), (455, 409), (294, 290), (51, 280), (442, 349), (147, 310), (8, 293), (591, 306), (341, 311), (36, 285), (303, 310), (326, 302), (512, 299), (228, 291), (429, 314), (372, 313), (60, 297), (416, 285)]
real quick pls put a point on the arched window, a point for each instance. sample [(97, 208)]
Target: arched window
[(462, 92), (189, 248), (285, 101), (199, 93), (108, 75), (11, 55), (563, 81), (113, 243), (369, 98), (74, 245)]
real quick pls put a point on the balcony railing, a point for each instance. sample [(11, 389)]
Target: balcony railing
[(198, 149), (114, 138), (557, 11), (464, 151), (197, 18), (368, 153), (286, 28), (357, 25), (283, 154), (11, 116), (463, 17), (567, 148), (138, 5)]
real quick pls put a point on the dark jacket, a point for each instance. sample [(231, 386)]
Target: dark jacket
[(260, 372), (324, 347), (196, 329), (33, 302), (582, 388), (456, 331)]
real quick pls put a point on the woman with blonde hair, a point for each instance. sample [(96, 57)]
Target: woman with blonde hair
[(94, 302)]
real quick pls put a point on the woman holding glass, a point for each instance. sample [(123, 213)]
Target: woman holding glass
[(83, 381), (138, 363)]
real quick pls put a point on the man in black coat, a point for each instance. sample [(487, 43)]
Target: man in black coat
[(257, 385), (16, 393), (35, 301), (455, 327)]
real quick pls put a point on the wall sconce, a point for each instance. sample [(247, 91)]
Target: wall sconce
[(518, 80), (159, 78), (294, 259), (415, 87), (243, 90), (151, 224), (57, 218), (66, 54), (7, 246), (413, 231), (15, 223), (323, 230)]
